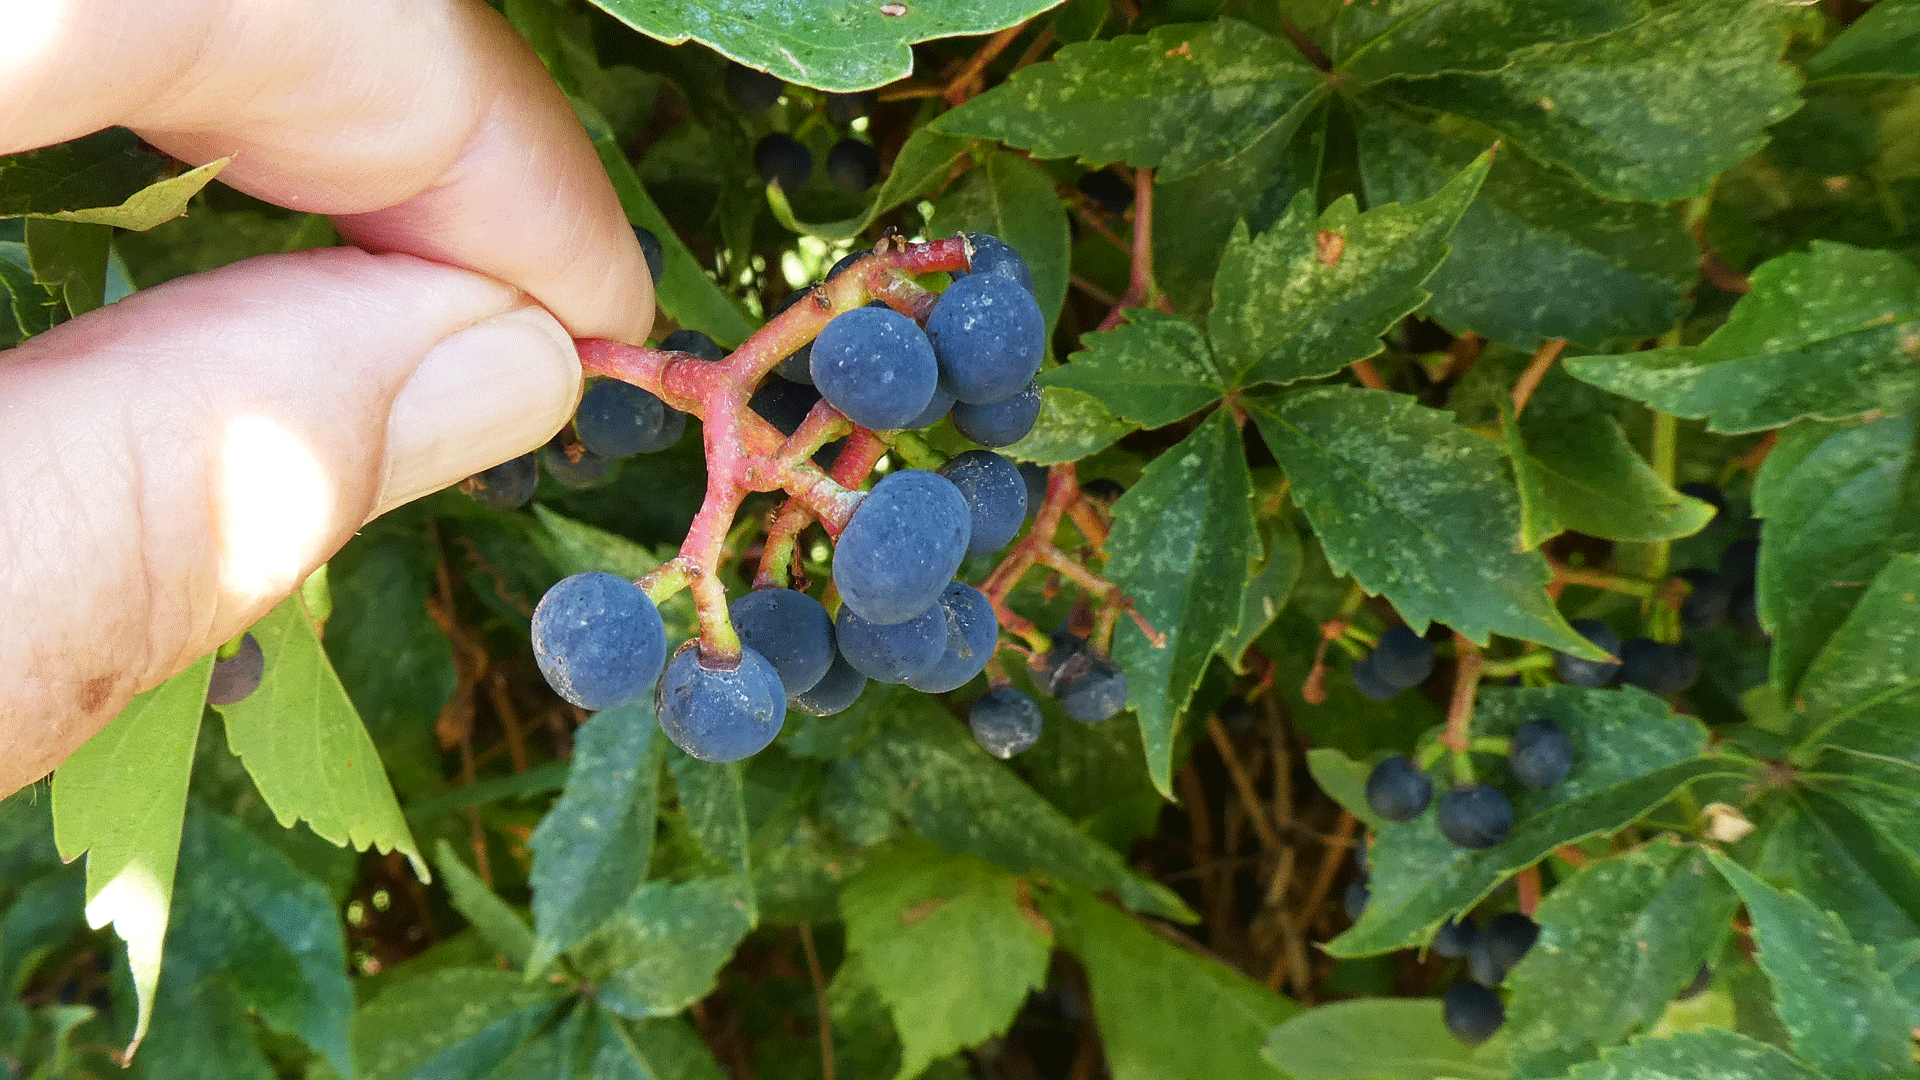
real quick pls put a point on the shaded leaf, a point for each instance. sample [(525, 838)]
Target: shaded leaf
[(591, 850), (1842, 1011), (1072, 425), (1268, 592), (1194, 94), (1828, 333), (195, 1024), (325, 769), (1865, 805), (497, 922), (1639, 924), (850, 47), (1401, 498), (1012, 198), (45, 913), (1345, 781), (1838, 501), (1403, 1038), (455, 1023), (661, 952), (106, 168), (1862, 688), (1651, 111), (1630, 753), (70, 259), (662, 1049), (1381, 39), (1884, 41), (120, 799), (929, 770), (914, 910), (1165, 1013), (1315, 292), (713, 800), (1152, 369), (1200, 491), (1538, 255), (1591, 480), (923, 164), (1835, 863), (1696, 1055)]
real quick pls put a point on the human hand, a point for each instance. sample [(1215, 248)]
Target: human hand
[(179, 461)]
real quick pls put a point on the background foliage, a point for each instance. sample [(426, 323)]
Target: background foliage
[(1368, 221)]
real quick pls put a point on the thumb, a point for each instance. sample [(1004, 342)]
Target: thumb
[(181, 460)]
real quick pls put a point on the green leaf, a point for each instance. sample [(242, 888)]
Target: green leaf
[(1630, 753), (1591, 480), (1013, 199), (684, 290), (1382, 39), (196, 1024), (34, 307), (45, 913), (591, 850), (1828, 854), (1841, 1010), (1862, 688), (833, 48), (249, 916), (1538, 255), (1194, 94), (660, 953), (1696, 1055), (1883, 42), (1313, 293), (120, 799), (929, 770), (451, 1024), (1199, 491), (1828, 333), (1639, 924), (161, 201), (1651, 111), (104, 169), (1402, 497), (1865, 806), (923, 164), (664, 1049), (70, 259), (915, 910), (1072, 425), (1403, 1038), (1838, 501), (1345, 781), (1165, 1013), (713, 799), (1152, 369), (322, 768), (496, 921), (1267, 593)]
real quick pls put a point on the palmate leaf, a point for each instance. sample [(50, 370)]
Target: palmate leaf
[(1072, 425), (1194, 94), (1696, 1055), (1883, 42), (1381, 39), (120, 800), (834, 46), (456, 1022), (1405, 1038), (1842, 1011), (1012, 198), (1538, 255), (324, 769), (1863, 689), (1315, 292), (1198, 490), (1165, 1013), (1402, 497), (1651, 111), (662, 950), (1640, 924), (1838, 501), (1151, 370), (915, 910), (1828, 333), (1866, 811), (1630, 753)]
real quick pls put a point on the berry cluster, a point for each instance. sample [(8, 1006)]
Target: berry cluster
[(811, 405), (782, 159)]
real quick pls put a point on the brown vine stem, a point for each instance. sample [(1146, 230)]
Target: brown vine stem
[(1368, 376), (1140, 288), (966, 83), (1467, 661), (1529, 380)]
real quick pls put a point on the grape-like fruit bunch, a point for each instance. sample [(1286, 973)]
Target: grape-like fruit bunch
[(901, 617)]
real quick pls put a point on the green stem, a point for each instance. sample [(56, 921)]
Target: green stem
[(1534, 661)]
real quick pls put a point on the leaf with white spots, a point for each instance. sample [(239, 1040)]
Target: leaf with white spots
[(1152, 369), (1863, 689), (1713, 1054)]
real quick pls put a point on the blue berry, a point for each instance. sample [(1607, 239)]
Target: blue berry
[(651, 251), (507, 485), (1509, 935), (694, 342), (1474, 817), (717, 713), (753, 90), (238, 675), (892, 652), (1542, 754), (876, 366), (1089, 687), (617, 420), (1575, 671), (1658, 667), (783, 404), (1355, 899), (901, 547), (996, 498), (972, 633), (992, 255), (575, 466), (1707, 601), (1403, 658), (1455, 937), (1367, 680), (781, 159), (1035, 478), (791, 630), (989, 337), (1004, 722), (853, 166), (838, 689), (1472, 1013), (598, 639), (937, 408), (1397, 790), (846, 108), (999, 423)]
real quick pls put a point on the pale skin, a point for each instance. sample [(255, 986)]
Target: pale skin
[(178, 462)]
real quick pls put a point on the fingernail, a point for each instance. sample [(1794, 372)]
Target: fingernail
[(488, 393)]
